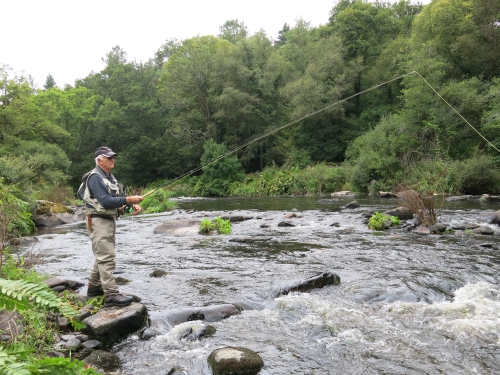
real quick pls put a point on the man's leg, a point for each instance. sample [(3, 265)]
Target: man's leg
[(103, 247)]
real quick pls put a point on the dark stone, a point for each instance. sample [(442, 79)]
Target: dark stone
[(11, 324), (112, 323), (121, 280), (336, 224), (484, 230), (158, 273), (491, 217), (83, 314), (438, 228), (72, 344), (402, 213), (204, 332), (178, 227), (82, 354), (54, 282), (234, 219), (264, 226), (103, 359), (352, 205), (285, 224), (91, 344), (62, 322), (83, 337), (148, 333), (54, 354), (235, 360), (320, 281), (59, 288), (5, 338)]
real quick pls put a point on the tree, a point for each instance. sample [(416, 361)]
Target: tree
[(233, 30), (50, 82)]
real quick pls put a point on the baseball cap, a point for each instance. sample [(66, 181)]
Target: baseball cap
[(106, 151)]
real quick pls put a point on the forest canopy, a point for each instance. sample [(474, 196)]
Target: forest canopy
[(196, 96)]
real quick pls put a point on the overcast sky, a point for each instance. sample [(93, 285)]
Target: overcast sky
[(69, 38)]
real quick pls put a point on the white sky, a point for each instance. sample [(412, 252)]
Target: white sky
[(68, 38)]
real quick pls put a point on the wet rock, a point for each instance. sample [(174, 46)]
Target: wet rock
[(484, 230), (59, 284), (82, 354), (343, 193), (121, 280), (50, 214), (235, 219), (206, 331), (235, 360), (72, 344), (264, 226), (111, 323), (486, 198), (464, 226), (387, 194), (5, 338), (402, 213), (100, 358), (491, 217), (59, 288), (438, 228), (62, 322), (173, 317), (289, 216), (459, 198), (422, 230), (148, 333), (336, 224), (91, 344), (178, 227), (352, 205), (320, 281), (158, 273), (285, 224), (84, 314)]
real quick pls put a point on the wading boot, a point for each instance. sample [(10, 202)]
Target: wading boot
[(95, 291), (117, 300)]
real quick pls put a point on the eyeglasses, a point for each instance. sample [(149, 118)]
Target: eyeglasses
[(111, 157)]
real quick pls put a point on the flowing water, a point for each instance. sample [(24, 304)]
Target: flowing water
[(407, 303)]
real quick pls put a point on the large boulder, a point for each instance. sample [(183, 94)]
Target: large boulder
[(110, 324), (402, 213), (320, 281), (491, 217), (235, 361), (178, 227), (486, 198), (51, 214)]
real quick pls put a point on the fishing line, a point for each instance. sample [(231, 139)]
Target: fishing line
[(304, 117)]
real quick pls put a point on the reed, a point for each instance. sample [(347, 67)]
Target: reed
[(421, 205)]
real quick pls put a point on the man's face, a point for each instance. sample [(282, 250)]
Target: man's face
[(107, 164)]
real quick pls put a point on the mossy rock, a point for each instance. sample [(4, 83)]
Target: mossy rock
[(48, 208), (235, 361)]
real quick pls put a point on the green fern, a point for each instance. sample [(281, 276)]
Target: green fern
[(22, 295), (60, 366), (10, 366)]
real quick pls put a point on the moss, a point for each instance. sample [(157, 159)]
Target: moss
[(47, 208)]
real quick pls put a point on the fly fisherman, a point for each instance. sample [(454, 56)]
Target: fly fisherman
[(104, 197)]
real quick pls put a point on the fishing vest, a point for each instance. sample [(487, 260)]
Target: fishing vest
[(115, 189)]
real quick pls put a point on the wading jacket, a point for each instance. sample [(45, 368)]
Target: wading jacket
[(103, 194)]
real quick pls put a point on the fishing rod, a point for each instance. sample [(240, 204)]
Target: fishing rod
[(304, 117)]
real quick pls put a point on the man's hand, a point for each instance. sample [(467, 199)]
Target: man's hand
[(134, 199), (136, 208)]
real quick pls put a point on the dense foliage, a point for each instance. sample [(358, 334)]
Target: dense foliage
[(199, 98)]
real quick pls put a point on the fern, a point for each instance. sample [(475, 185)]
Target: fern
[(21, 295), (60, 366), (10, 366)]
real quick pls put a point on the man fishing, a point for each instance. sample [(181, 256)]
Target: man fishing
[(104, 197)]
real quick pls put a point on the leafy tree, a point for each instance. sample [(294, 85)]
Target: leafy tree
[(50, 82), (233, 30), (217, 176)]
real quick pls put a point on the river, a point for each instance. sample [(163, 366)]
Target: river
[(406, 304)]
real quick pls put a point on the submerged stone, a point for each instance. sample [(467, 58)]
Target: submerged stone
[(235, 361)]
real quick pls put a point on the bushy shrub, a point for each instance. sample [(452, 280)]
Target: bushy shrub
[(275, 181), (478, 175), (319, 179), (222, 226), (158, 202)]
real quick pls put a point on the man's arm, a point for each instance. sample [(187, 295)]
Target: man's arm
[(97, 187)]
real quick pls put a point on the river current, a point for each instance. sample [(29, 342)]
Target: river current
[(406, 304)]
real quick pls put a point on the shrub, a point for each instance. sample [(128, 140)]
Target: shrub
[(478, 175), (377, 221), (319, 179), (421, 205), (220, 225), (158, 202)]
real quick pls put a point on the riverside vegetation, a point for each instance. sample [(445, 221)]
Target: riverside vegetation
[(198, 98)]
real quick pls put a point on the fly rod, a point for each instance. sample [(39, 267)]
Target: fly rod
[(304, 117)]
